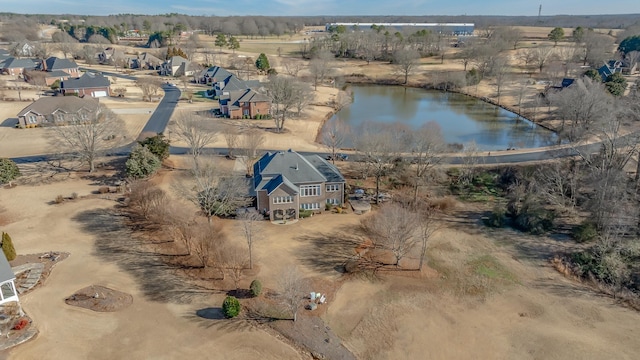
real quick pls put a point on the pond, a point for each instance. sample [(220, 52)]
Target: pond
[(463, 119)]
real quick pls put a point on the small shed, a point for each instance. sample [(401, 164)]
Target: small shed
[(8, 291)]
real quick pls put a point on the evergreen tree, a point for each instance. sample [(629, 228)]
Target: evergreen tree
[(221, 41), (616, 84), (8, 170), (556, 35), (158, 145), (142, 163), (234, 44), (7, 247), (262, 63)]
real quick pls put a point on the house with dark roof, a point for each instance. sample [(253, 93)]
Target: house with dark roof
[(56, 110), (112, 56), (8, 292), (178, 66), (609, 68), (244, 104), (146, 61), (59, 69), (223, 81), (4, 54), (89, 84), (286, 182), (15, 66)]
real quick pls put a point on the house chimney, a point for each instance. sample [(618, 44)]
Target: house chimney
[(296, 166)]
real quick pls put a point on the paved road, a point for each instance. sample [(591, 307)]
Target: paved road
[(160, 118)]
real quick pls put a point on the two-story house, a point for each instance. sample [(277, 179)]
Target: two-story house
[(285, 182), (59, 69), (244, 103)]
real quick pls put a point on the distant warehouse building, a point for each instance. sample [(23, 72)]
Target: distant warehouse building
[(445, 28)]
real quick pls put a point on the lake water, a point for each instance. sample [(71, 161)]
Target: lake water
[(462, 118)]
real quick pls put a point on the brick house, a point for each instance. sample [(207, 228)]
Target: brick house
[(89, 84), (244, 103), (59, 69), (14, 66), (285, 182), (55, 110)]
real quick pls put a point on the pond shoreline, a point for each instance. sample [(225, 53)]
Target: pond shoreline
[(365, 81)]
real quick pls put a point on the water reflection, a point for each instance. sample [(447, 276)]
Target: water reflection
[(462, 118)]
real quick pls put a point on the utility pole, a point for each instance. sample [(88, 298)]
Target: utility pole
[(539, 12)]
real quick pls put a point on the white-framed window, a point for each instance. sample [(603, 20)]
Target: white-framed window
[(32, 119), (333, 201), (282, 199), (246, 111), (333, 187), (310, 190), (310, 206)]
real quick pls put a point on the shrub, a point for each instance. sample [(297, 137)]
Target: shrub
[(497, 217), (158, 145), (59, 199), (255, 287), (534, 220), (74, 195), (304, 213), (231, 307), (142, 163), (103, 190), (21, 324), (7, 247), (8, 170), (585, 232)]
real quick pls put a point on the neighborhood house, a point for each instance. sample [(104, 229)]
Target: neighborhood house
[(89, 84), (52, 110), (286, 182), (244, 104), (8, 291)]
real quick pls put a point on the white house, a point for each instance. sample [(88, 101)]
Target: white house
[(8, 291)]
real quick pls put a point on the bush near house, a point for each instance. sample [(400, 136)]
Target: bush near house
[(142, 163), (255, 287), (8, 170), (7, 247)]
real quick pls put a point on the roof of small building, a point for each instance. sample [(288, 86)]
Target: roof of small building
[(50, 104), (57, 74), (87, 80), (53, 63), (234, 98), (6, 274)]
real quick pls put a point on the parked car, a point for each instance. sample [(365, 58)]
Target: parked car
[(339, 156)]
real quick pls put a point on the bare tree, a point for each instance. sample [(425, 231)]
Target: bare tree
[(596, 48), (291, 289), (334, 134), (379, 145), (427, 227), (251, 141), (292, 67), (282, 92), (427, 145), (542, 55), (190, 128), (214, 191), (470, 157), (500, 76), (320, 66), (205, 244), (393, 228), (234, 260), (303, 96), (149, 86), (232, 138), (252, 230), (85, 138), (406, 62)]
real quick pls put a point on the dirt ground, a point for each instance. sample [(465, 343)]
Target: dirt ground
[(532, 313)]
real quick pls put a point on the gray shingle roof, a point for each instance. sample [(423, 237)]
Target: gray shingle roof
[(6, 273), (278, 181), (68, 104), (57, 74), (12, 63), (328, 170), (247, 95), (54, 63), (87, 80), (291, 165)]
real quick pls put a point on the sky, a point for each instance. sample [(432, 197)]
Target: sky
[(322, 7)]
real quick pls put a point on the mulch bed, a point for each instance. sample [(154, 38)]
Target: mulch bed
[(100, 298)]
